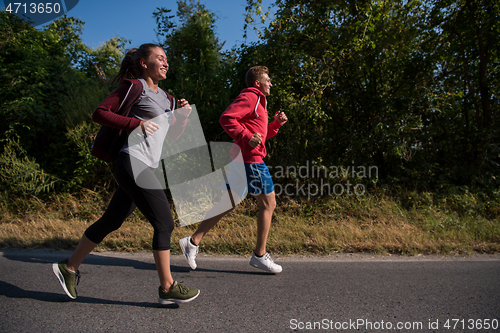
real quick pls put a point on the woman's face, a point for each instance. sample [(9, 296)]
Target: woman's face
[(156, 65)]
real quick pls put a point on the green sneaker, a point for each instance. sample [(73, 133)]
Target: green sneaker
[(66, 278), (178, 294)]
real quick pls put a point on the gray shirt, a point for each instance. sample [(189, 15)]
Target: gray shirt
[(156, 107)]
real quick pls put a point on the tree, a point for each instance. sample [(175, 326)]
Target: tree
[(346, 71), (467, 35), (371, 83), (34, 66), (42, 83), (198, 71)]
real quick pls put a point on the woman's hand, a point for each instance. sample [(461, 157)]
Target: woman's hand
[(148, 127), (183, 107)]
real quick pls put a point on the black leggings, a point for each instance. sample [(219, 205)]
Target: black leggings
[(152, 203)]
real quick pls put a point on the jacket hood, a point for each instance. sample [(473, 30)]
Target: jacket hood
[(254, 90)]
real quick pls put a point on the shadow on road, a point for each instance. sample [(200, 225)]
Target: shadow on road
[(92, 259), (253, 272), (12, 291)]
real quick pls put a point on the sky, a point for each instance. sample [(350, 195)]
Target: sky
[(134, 20)]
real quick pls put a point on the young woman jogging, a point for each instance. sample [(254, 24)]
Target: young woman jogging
[(135, 102)]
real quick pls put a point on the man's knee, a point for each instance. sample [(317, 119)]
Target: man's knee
[(267, 201)]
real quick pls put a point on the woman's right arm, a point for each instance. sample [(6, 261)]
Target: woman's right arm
[(106, 113)]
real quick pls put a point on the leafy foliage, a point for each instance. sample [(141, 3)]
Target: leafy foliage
[(21, 174), (199, 71), (409, 87), (387, 84), (33, 66), (42, 74)]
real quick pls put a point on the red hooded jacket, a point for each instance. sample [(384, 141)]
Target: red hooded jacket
[(247, 115)]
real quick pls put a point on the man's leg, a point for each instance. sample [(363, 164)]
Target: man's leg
[(205, 227), (189, 245), (260, 258), (267, 204), (261, 185), (209, 223)]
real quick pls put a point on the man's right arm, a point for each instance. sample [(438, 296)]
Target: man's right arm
[(231, 117)]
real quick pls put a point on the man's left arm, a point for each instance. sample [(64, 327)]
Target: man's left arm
[(280, 119)]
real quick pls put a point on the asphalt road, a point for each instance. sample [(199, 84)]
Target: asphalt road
[(344, 293)]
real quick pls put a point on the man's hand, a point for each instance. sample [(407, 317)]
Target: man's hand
[(183, 108), (148, 127), (280, 117), (255, 140)]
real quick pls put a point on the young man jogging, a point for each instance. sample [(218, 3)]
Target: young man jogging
[(246, 121)]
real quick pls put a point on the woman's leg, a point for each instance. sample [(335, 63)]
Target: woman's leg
[(162, 261), (153, 203), (84, 247), (119, 208), (155, 207)]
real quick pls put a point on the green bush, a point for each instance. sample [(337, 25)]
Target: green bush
[(89, 172), (20, 174)]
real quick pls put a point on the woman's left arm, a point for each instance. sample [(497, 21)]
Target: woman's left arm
[(179, 122)]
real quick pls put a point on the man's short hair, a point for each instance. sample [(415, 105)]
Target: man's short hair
[(255, 74)]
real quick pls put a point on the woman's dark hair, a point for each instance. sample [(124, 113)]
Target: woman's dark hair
[(131, 63)]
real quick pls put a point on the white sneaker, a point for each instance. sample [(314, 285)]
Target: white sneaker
[(266, 263), (189, 250)]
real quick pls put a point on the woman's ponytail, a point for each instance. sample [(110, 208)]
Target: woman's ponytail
[(126, 68)]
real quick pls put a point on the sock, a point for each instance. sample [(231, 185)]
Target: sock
[(258, 256), (170, 288), (191, 241), (69, 270)]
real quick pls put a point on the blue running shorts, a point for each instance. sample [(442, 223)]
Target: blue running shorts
[(259, 179)]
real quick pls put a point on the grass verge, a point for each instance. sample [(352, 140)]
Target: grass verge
[(411, 223)]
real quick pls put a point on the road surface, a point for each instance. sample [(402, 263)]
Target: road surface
[(337, 293)]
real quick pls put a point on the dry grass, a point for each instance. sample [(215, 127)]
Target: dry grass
[(372, 223)]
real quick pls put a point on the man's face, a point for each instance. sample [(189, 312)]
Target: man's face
[(264, 84)]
